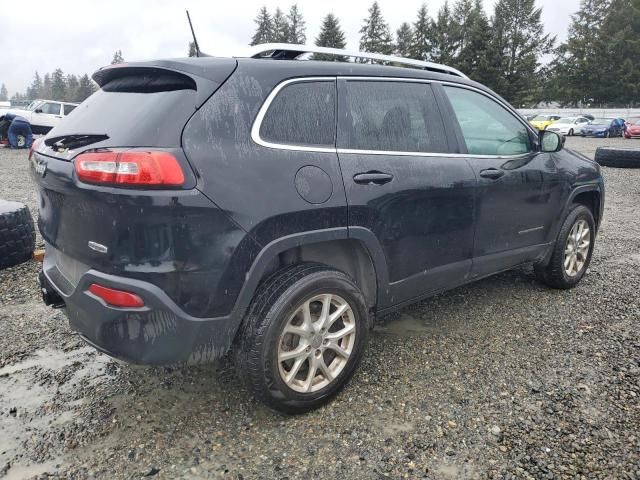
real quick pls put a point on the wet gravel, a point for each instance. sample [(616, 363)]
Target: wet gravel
[(501, 379)]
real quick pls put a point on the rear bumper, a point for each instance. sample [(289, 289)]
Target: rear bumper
[(159, 333)]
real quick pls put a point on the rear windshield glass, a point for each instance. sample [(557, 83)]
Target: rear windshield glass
[(133, 112)]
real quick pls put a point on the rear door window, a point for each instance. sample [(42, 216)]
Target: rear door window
[(487, 127), (302, 113), (392, 116), (68, 109)]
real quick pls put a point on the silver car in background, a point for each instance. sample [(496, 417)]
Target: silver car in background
[(568, 126)]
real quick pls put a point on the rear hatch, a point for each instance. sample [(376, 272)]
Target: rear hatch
[(139, 108)]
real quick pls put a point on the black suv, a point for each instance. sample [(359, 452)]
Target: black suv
[(273, 207)]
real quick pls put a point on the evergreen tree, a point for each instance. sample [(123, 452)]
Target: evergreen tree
[(472, 37), (85, 88), (117, 57), (72, 88), (35, 89), (421, 47), (58, 85), (280, 27), (404, 39), (264, 28), (332, 36), (621, 31), (461, 23), (375, 36), (518, 44), (443, 40), (4, 94), (577, 66), (296, 26), (192, 49), (45, 92)]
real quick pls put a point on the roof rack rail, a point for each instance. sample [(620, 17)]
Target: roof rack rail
[(287, 51)]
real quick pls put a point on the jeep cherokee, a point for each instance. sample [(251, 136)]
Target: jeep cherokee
[(273, 207)]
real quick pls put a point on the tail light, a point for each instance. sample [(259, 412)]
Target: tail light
[(34, 146), (133, 167), (116, 298)]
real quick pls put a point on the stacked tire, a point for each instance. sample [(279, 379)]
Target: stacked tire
[(17, 234), (618, 157)]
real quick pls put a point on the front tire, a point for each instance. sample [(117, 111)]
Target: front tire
[(572, 251), (571, 132), (303, 337)]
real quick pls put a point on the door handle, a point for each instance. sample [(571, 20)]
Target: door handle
[(492, 173), (372, 178)]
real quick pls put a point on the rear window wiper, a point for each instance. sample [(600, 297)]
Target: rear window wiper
[(74, 141)]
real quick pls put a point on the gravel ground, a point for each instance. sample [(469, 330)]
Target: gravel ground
[(501, 379)]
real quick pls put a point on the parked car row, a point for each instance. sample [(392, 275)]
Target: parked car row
[(587, 125)]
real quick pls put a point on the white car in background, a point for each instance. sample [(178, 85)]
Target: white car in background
[(568, 126), (43, 115)]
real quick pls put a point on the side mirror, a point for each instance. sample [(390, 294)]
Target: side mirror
[(550, 142), (38, 110)]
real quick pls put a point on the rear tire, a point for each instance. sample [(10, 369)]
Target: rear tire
[(17, 234), (571, 254), (287, 349)]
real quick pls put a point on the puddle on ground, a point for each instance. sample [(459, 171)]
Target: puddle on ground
[(34, 397), (20, 473), (405, 325)]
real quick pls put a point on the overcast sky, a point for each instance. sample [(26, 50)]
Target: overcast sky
[(81, 35)]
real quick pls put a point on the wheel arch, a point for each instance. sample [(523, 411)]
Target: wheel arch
[(355, 255), (592, 197)]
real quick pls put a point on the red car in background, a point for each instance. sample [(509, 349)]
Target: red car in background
[(632, 128)]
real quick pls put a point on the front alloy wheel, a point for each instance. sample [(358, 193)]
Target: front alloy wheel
[(571, 253), (577, 249)]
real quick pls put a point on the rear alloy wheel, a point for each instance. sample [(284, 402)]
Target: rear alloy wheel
[(303, 337), (572, 251), (316, 343)]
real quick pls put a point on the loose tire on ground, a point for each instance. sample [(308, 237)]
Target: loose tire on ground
[(263, 336), (17, 234), (555, 273), (618, 157)]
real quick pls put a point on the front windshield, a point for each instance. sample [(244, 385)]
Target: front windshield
[(541, 118), (600, 121), (634, 121), (33, 105)]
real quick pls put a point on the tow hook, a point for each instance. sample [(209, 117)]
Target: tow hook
[(50, 297)]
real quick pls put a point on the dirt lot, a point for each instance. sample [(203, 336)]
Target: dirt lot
[(501, 379)]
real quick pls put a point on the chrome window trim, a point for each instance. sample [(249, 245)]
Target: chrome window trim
[(257, 123), (427, 154)]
